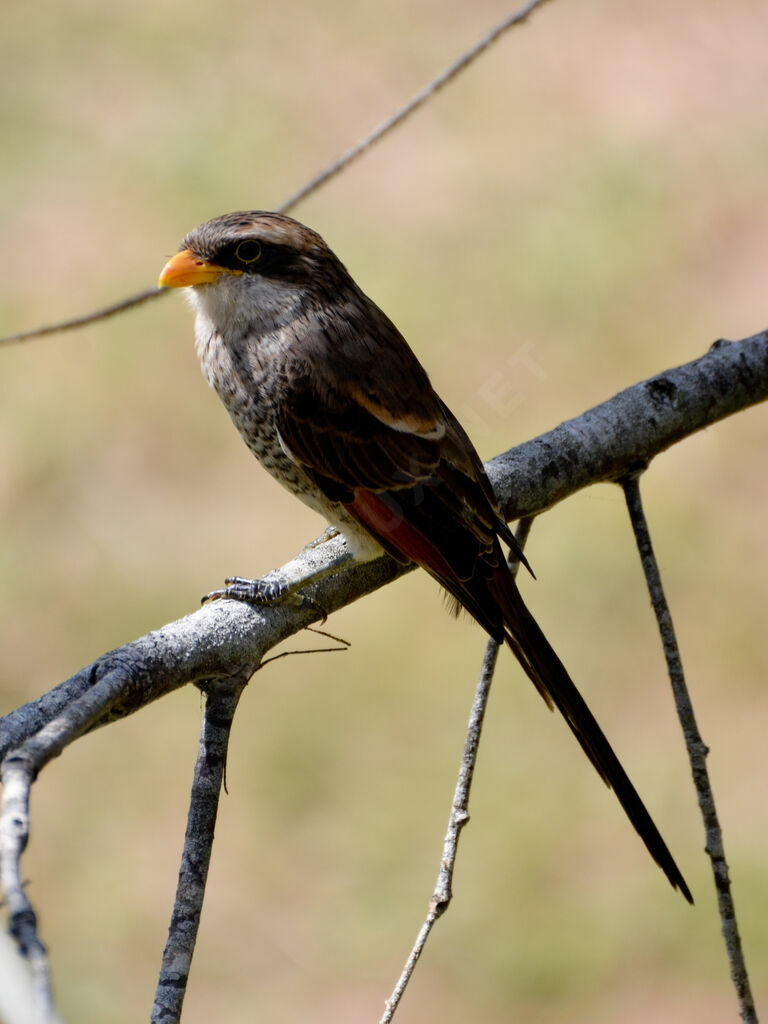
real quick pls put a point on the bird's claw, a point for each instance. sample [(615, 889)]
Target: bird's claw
[(261, 593)]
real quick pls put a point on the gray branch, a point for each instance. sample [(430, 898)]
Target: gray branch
[(227, 639), (629, 430), (697, 751)]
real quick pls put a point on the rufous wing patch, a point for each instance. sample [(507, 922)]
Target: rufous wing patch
[(387, 522)]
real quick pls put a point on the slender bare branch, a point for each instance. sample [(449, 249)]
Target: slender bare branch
[(417, 100), (62, 326), (221, 699), (518, 17), (697, 750), (459, 817)]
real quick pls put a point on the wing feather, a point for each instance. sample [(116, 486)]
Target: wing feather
[(375, 436)]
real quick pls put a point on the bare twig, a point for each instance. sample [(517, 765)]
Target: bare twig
[(452, 71), (697, 750), (459, 817), (221, 699), (417, 100), (88, 318), (343, 645)]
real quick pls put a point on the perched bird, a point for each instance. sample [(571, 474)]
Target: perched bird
[(331, 400)]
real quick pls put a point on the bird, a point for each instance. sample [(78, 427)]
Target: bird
[(332, 401)]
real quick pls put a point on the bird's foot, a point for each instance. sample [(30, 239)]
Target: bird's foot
[(281, 587), (259, 592)]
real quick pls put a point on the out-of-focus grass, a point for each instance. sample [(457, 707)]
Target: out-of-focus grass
[(587, 207)]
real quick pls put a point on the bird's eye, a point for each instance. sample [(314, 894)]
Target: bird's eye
[(248, 251)]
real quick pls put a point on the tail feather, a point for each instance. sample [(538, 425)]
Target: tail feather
[(549, 676), (417, 526)]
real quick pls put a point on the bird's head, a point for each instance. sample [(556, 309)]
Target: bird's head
[(252, 269)]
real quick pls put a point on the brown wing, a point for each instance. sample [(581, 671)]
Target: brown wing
[(359, 415), (362, 418)]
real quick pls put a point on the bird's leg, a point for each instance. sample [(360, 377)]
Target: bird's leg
[(278, 588)]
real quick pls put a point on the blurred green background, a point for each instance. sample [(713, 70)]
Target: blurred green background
[(586, 207)]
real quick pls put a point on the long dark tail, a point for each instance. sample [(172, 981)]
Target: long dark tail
[(439, 528), (549, 676)]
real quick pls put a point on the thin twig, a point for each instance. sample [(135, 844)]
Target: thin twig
[(329, 636), (459, 817), (421, 97), (386, 126), (221, 699), (344, 645), (697, 750), (87, 318), (307, 650)]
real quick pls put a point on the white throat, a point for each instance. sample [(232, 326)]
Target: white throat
[(236, 305)]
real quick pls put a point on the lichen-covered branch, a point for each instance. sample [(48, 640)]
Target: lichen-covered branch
[(627, 431), (227, 640), (604, 443)]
